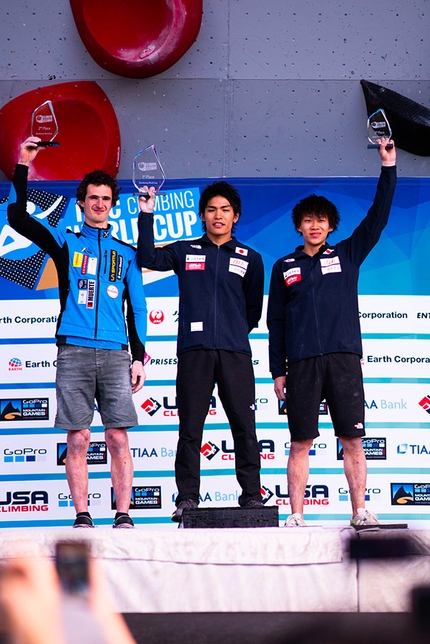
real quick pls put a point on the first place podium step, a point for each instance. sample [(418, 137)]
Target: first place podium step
[(237, 517)]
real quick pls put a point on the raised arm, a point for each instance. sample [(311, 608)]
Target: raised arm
[(368, 232), (17, 214)]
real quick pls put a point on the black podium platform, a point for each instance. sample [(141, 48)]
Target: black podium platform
[(236, 517)]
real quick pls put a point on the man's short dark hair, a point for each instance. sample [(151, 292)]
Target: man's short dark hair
[(315, 206), (97, 178), (220, 189)]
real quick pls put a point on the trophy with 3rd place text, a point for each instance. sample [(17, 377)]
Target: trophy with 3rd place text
[(378, 127)]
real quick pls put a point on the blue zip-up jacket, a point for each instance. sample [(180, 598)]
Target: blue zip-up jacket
[(220, 288), (97, 273), (313, 301)]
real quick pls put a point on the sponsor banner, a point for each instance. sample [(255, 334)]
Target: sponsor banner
[(97, 453), (385, 314), (19, 320), (375, 448), (154, 451), (260, 359), (411, 447), (24, 409), (396, 358), (396, 403), (36, 408), (26, 500), (156, 405), (327, 497), (40, 453), (410, 494), (30, 454), (384, 403), (143, 497), (51, 499), (28, 363), (163, 315), (162, 360)]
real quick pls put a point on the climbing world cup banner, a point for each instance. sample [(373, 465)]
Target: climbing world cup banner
[(394, 308)]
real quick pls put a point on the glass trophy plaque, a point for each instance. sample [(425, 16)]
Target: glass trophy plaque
[(44, 124), (147, 171), (378, 128)]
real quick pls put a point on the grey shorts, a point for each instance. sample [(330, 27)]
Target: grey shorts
[(86, 375)]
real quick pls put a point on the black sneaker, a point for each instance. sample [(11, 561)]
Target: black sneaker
[(253, 504), (123, 521), (83, 521), (188, 503)]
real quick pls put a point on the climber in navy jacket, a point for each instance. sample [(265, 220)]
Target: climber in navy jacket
[(314, 336), (220, 299)]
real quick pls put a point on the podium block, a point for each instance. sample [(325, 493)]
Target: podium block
[(237, 517)]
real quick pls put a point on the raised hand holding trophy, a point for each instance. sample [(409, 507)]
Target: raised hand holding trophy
[(44, 125), (147, 171), (378, 128)]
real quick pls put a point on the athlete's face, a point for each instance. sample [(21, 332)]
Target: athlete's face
[(315, 231), (219, 218), (97, 205)]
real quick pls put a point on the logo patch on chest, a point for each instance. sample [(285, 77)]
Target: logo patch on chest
[(292, 276), (330, 265), (238, 266), (195, 262)]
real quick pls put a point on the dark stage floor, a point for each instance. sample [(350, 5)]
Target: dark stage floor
[(276, 628)]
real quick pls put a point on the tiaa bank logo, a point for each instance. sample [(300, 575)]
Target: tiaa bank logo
[(413, 448)]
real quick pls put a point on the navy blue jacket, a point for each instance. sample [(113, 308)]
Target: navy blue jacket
[(97, 273), (220, 288), (313, 303)]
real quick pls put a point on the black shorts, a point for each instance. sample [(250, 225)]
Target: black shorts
[(335, 377)]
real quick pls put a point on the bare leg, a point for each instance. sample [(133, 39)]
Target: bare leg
[(355, 470), (77, 468), (121, 467), (298, 473)]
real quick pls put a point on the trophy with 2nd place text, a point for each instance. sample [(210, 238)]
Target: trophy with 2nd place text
[(44, 125)]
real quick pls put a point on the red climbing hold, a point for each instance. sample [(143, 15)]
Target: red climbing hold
[(137, 38), (88, 132)]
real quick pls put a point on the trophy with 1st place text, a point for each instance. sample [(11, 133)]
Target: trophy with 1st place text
[(147, 171)]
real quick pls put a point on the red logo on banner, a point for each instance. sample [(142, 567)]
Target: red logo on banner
[(156, 316)]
